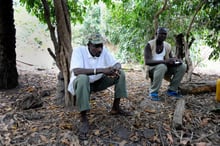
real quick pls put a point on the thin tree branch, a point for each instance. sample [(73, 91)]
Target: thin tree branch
[(51, 54), (50, 26), (156, 16), (199, 7)]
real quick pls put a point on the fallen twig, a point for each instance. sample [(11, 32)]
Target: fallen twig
[(161, 136), (25, 63), (205, 136)]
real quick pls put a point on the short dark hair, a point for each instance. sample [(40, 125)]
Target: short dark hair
[(161, 30)]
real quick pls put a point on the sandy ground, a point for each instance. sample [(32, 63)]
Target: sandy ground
[(35, 60)]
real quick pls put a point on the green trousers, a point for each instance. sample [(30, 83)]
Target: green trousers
[(161, 71), (83, 88)]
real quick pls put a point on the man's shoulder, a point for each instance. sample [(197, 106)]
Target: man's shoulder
[(167, 44), (151, 41), (105, 49)]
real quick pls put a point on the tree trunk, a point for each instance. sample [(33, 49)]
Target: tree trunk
[(182, 51), (188, 61), (198, 87), (8, 70), (64, 49)]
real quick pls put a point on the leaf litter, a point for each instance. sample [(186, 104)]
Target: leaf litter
[(43, 122)]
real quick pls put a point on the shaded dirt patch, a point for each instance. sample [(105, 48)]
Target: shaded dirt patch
[(50, 124)]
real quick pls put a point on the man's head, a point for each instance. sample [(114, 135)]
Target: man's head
[(161, 34), (95, 44), (162, 30), (96, 38)]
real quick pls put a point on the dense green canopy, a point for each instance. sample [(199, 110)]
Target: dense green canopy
[(130, 23)]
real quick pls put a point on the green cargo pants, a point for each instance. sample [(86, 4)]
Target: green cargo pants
[(83, 88), (161, 71)]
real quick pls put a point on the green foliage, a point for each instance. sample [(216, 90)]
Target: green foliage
[(212, 18), (91, 24), (35, 8), (195, 52), (76, 8), (129, 24)]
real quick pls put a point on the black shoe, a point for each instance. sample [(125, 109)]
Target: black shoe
[(83, 130)]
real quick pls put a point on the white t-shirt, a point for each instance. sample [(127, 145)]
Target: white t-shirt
[(81, 58), (159, 56)]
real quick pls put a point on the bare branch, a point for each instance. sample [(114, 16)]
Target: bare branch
[(51, 54), (199, 7), (156, 16), (50, 26)]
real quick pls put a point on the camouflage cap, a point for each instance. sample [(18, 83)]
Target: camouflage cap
[(96, 39)]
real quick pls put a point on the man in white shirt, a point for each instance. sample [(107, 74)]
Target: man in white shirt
[(93, 69), (161, 64)]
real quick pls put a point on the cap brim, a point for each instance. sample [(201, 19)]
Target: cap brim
[(97, 42)]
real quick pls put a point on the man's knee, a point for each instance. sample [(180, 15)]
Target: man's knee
[(82, 79), (122, 74), (162, 68), (182, 68)]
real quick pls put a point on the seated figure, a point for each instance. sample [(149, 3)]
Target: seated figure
[(94, 69), (161, 64)]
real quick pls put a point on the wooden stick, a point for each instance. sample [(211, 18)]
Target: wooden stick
[(178, 114)]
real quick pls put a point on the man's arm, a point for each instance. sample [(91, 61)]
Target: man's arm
[(117, 66), (78, 71), (173, 60), (93, 71), (112, 70)]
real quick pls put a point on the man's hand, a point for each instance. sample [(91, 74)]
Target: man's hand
[(111, 72), (173, 61)]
